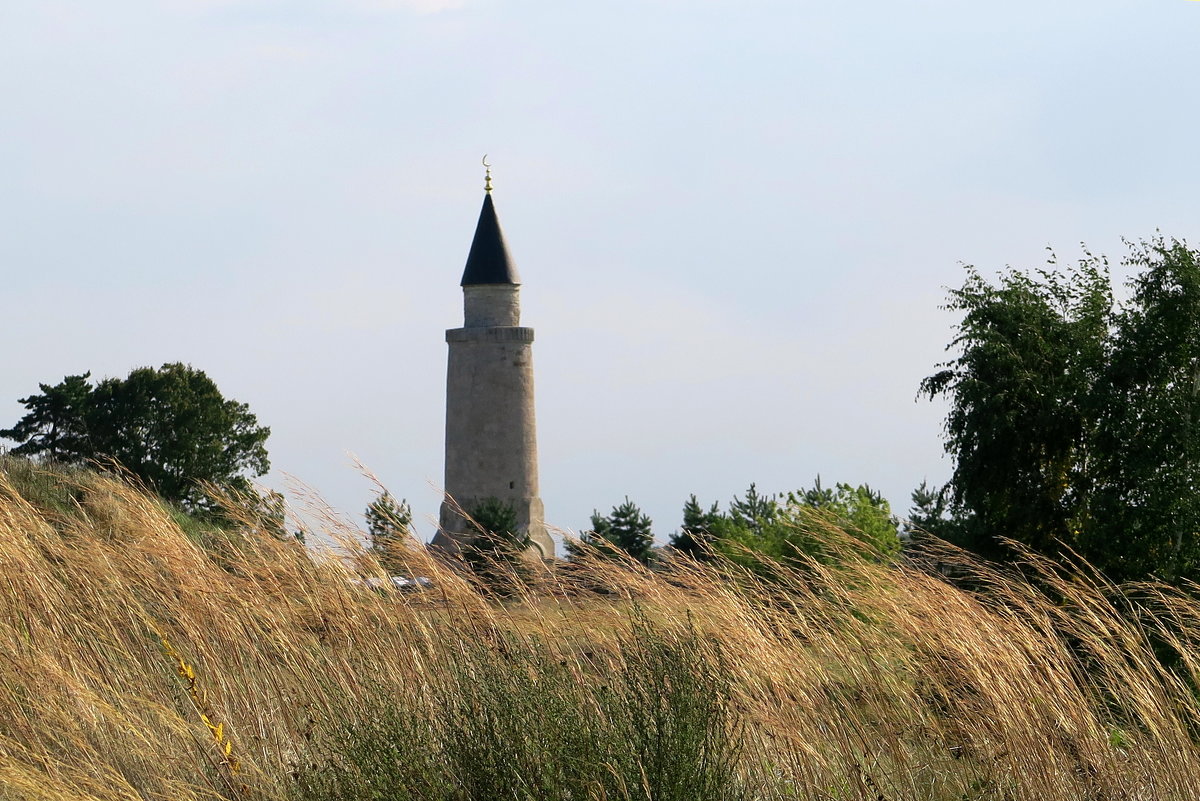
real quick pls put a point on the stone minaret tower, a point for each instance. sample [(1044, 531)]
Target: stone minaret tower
[(491, 438)]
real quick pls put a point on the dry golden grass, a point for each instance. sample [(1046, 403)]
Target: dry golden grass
[(135, 663)]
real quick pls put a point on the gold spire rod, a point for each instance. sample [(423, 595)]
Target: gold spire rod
[(487, 176)]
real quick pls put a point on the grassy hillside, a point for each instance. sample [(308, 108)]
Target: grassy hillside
[(140, 660)]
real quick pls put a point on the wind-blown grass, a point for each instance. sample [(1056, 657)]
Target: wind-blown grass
[(140, 661)]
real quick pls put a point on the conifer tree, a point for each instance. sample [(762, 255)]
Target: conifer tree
[(698, 532), (496, 554), (754, 510), (626, 529), (389, 526)]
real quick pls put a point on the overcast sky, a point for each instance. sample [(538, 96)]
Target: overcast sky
[(735, 219)]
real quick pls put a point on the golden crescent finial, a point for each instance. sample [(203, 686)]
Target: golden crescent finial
[(487, 176)]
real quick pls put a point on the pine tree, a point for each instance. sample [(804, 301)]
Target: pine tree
[(389, 526), (930, 514), (496, 554), (696, 536), (56, 424), (626, 529), (754, 511)]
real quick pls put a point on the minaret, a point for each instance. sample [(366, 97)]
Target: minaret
[(491, 438)]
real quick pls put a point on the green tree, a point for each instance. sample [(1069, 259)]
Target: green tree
[(931, 514), (389, 529), (170, 427), (265, 512), (697, 534), (805, 524), (626, 529), (754, 510), (860, 512), (1075, 421), (495, 517), (1142, 511), (1020, 391), (497, 552), (56, 423)]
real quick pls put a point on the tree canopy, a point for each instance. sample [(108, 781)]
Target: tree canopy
[(169, 427), (1073, 418), (782, 528)]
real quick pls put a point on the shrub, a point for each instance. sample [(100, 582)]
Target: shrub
[(510, 720)]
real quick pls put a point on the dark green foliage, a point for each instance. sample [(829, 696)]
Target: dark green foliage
[(1142, 510), (380, 752), (497, 552), (930, 514), (1031, 349), (510, 720), (494, 517), (1073, 420), (697, 534), (626, 530), (169, 427), (265, 513), (389, 529), (55, 425)]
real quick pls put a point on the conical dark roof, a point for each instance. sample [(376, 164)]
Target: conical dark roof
[(488, 262)]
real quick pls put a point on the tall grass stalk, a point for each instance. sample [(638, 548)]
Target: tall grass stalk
[(851, 680)]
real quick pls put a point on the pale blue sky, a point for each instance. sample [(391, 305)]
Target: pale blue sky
[(735, 220)]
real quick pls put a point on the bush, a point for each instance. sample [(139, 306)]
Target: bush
[(498, 551), (377, 752), (511, 720)]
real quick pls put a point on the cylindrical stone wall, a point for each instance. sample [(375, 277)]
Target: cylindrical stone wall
[(488, 305), (491, 436)]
